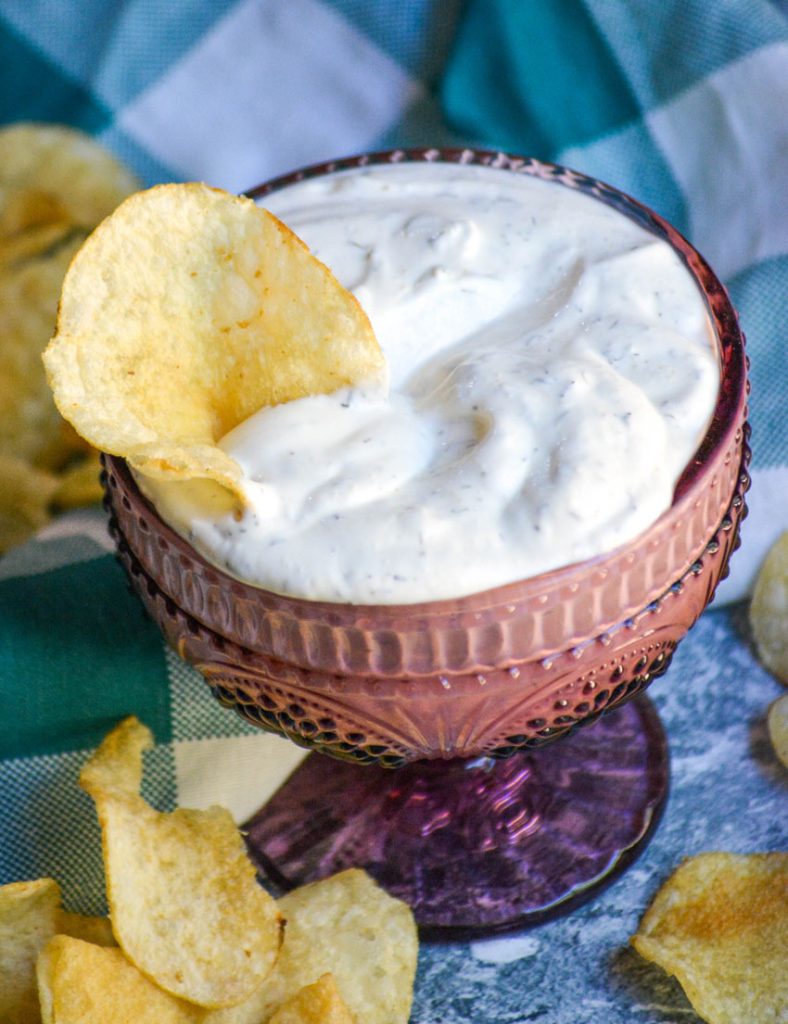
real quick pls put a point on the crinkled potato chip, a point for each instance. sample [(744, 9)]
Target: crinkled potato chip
[(24, 209), (769, 610), (115, 768), (79, 983), (31, 223), (25, 494), (778, 728), (319, 1003), (350, 928), (30, 425), (30, 915), (720, 926), (185, 904), (56, 184), (28, 920), (185, 312)]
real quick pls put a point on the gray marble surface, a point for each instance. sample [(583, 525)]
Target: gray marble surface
[(728, 792)]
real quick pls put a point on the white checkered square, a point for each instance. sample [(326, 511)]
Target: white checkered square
[(259, 95), (738, 213)]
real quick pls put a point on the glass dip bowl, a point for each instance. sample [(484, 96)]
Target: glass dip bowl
[(479, 832)]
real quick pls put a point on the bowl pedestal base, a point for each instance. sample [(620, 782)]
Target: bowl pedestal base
[(479, 846)]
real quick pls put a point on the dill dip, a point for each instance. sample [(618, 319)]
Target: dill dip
[(552, 372)]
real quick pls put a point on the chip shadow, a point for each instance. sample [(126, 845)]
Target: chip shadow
[(656, 997)]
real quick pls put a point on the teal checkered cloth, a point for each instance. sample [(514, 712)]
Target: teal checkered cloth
[(683, 104)]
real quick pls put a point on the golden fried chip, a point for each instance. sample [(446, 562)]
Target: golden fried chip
[(72, 169), (778, 728), (30, 426), (186, 311), (115, 768), (28, 920), (319, 1003), (56, 184), (25, 494), (32, 222), (79, 983), (33, 241), (720, 925), (30, 915), (348, 927), (769, 610), (185, 903), (24, 209)]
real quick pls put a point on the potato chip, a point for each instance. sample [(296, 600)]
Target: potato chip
[(76, 172), (769, 610), (79, 983), (24, 209), (30, 915), (25, 494), (115, 768), (30, 426), (186, 311), (350, 928), (720, 925), (185, 903), (319, 1003), (778, 728), (56, 184), (28, 919), (32, 222), (40, 241)]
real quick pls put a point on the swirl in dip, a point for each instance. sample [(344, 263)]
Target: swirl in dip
[(552, 372)]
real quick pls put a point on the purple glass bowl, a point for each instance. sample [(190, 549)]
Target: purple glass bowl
[(473, 845), (493, 673)]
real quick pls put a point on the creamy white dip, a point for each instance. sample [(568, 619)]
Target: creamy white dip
[(552, 373)]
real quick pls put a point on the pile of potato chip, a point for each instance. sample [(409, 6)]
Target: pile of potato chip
[(187, 310), (720, 926), (56, 185), (193, 936)]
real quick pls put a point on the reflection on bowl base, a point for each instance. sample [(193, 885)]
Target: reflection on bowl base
[(480, 846)]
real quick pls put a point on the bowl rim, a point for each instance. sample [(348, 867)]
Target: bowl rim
[(727, 418)]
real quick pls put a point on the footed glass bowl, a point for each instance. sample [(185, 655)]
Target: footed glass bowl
[(495, 675)]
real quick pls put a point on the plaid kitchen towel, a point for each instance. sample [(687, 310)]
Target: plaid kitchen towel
[(681, 103)]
